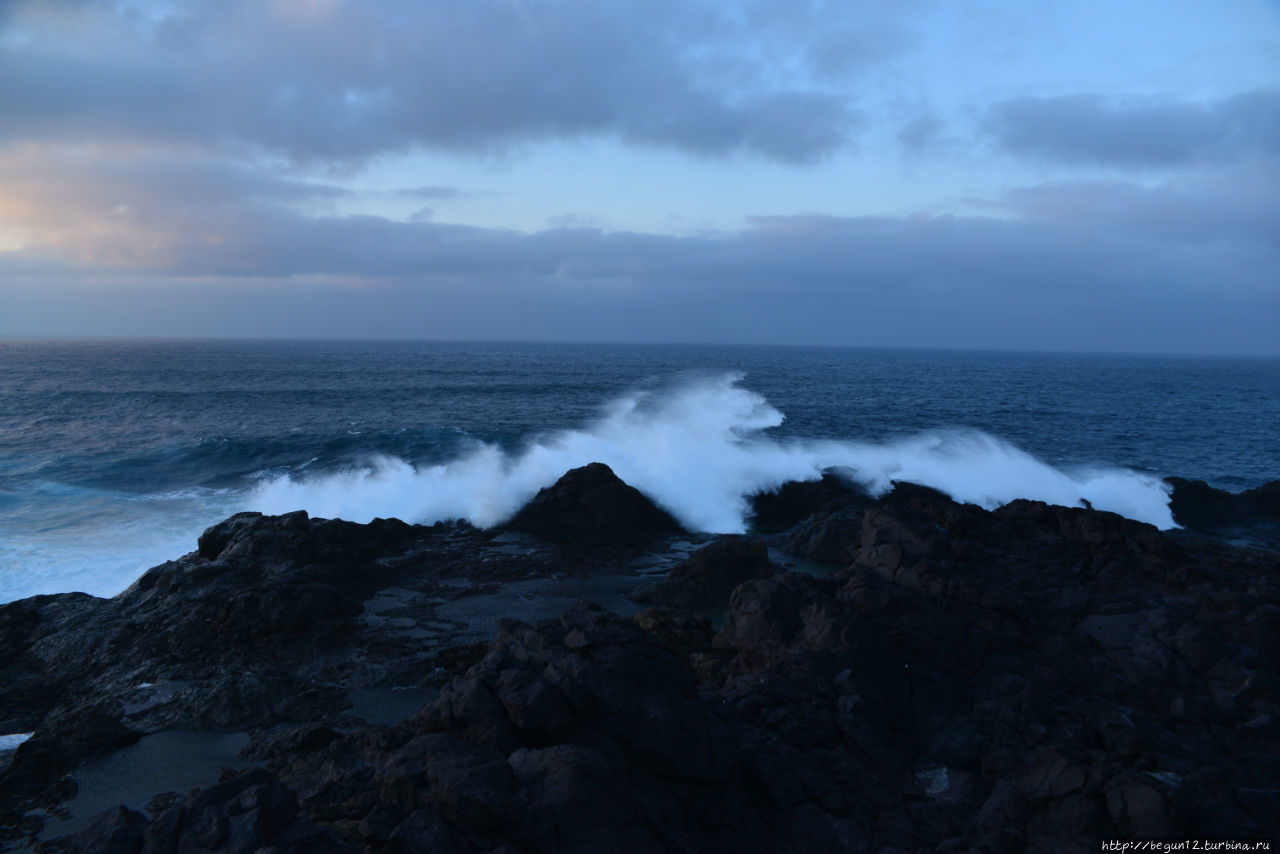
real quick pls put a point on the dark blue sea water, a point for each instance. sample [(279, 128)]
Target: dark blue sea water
[(115, 455)]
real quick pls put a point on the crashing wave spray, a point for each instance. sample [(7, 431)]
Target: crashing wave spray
[(701, 451)]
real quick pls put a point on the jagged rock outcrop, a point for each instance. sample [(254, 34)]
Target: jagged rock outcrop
[(249, 613), (795, 501), (1030, 679), (1251, 516), (591, 506), (255, 627)]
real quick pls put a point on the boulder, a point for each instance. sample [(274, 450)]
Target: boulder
[(824, 537), (1251, 516), (117, 830), (246, 812), (591, 506), (707, 577), (795, 501)]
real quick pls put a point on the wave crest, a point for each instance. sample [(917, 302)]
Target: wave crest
[(701, 450)]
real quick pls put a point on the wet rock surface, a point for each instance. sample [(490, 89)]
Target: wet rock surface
[(1034, 678)]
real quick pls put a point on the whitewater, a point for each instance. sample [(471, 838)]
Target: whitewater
[(701, 451), (116, 455)]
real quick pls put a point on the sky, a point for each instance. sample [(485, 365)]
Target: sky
[(1067, 175)]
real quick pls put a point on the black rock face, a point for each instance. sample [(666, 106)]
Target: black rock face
[(707, 577), (1252, 515), (794, 502), (592, 506), (1034, 678)]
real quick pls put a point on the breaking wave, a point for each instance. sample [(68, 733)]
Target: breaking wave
[(701, 450)]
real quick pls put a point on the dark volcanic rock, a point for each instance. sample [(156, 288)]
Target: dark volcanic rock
[(1251, 515), (680, 632), (707, 577), (290, 578), (262, 595), (591, 506), (246, 812), (834, 528), (588, 677), (1035, 678), (1051, 669), (577, 734), (113, 831), (66, 624), (824, 537), (253, 628), (65, 737), (582, 733), (795, 501)]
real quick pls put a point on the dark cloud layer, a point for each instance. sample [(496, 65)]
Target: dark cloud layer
[(1091, 128), (1236, 207), (938, 282), (337, 81), (430, 191), (1082, 266)]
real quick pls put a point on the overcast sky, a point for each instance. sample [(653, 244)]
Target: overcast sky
[(969, 173)]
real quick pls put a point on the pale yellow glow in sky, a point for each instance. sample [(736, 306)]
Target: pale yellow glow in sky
[(9, 240)]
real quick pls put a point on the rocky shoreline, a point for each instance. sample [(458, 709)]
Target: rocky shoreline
[(900, 674)]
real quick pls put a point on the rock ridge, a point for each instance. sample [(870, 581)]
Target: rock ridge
[(1034, 678)]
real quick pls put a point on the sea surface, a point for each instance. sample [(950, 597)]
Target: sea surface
[(115, 455)]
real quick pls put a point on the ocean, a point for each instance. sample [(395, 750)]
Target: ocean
[(115, 455)]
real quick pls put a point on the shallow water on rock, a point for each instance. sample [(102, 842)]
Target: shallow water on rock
[(538, 599), (173, 761), (388, 706), (791, 563)]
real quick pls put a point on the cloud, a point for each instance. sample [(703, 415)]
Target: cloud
[(433, 191), (839, 51), (139, 209), (936, 282), (1069, 266), (920, 132), (1235, 205), (1093, 129), (347, 81), (197, 216)]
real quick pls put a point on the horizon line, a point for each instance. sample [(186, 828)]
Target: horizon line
[(633, 343)]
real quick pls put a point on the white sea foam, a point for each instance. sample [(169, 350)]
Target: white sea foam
[(12, 740), (102, 541), (701, 451)]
